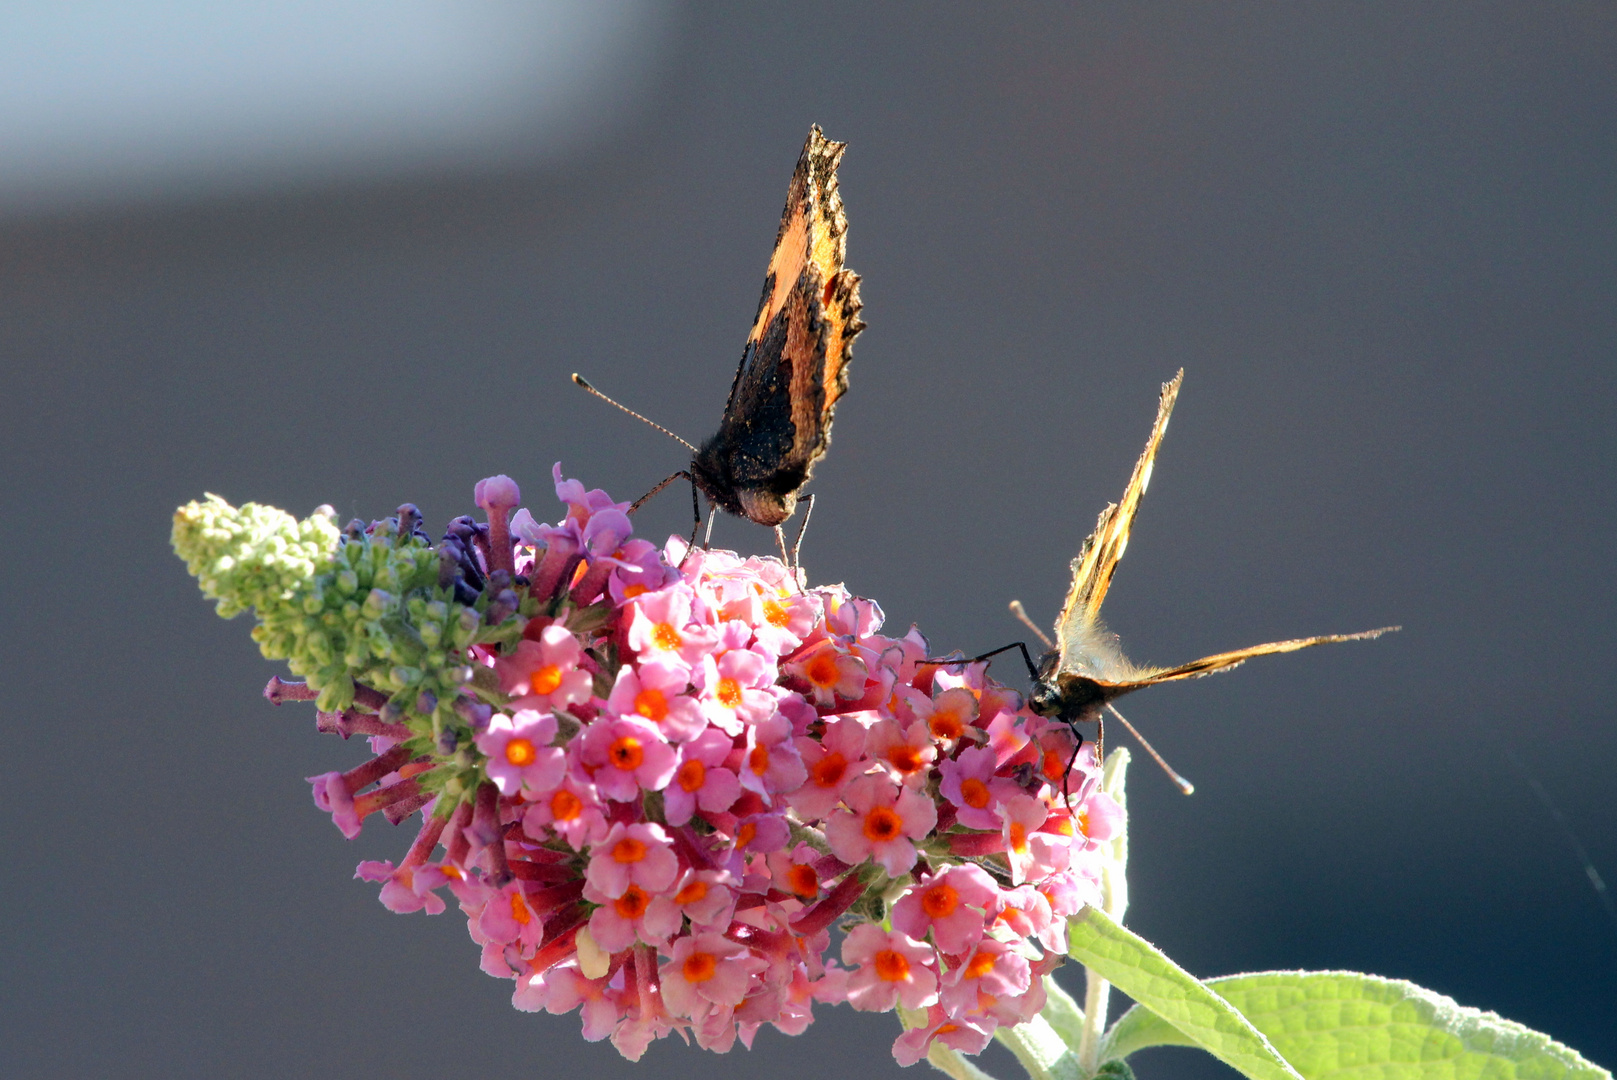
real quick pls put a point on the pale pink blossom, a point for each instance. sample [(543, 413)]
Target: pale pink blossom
[(654, 692), (880, 823), (952, 904), (893, 969), (632, 855), (520, 756), (626, 757), (544, 674), (700, 780)]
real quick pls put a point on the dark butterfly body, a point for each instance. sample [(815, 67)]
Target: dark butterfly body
[(1086, 671), (777, 422)]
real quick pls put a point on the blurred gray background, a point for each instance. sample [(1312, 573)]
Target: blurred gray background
[(349, 254)]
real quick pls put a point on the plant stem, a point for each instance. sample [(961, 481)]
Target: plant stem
[(1114, 901)]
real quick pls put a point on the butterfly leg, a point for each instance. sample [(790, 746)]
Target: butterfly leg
[(1077, 745), (1032, 671), (797, 545)]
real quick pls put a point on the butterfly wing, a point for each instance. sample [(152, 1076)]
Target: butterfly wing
[(1082, 643), (794, 368), (1103, 690)]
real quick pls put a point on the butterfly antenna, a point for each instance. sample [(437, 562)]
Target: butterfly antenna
[(1185, 786), (580, 380), (1021, 613)]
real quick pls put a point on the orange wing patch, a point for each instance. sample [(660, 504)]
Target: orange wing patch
[(777, 423)]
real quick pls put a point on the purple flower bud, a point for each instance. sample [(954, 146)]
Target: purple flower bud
[(448, 742), (474, 713), (426, 702)]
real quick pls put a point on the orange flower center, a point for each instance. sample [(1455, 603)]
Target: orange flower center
[(1083, 820), (946, 725), (729, 693), (1018, 837), (519, 910), (628, 850), (632, 591), (692, 775), (775, 615), (627, 754), (632, 904), (694, 890), (980, 965), (565, 806), (827, 772), (906, 758), (758, 760), (974, 793), (545, 680), (520, 752), (1055, 766), (822, 670), (664, 636), (940, 901), (652, 705), (746, 834), (803, 881), (699, 967), (892, 966), (882, 823)]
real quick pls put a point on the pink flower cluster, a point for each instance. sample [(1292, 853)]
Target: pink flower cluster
[(701, 767)]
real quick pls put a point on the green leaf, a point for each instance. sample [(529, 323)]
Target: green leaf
[(1337, 1024), (1202, 1018)]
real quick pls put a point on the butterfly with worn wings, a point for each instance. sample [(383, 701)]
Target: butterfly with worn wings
[(794, 368), (1084, 670)]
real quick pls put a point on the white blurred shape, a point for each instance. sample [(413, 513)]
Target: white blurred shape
[(107, 101)]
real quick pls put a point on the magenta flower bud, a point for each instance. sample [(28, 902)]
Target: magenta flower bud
[(497, 496), (497, 493)]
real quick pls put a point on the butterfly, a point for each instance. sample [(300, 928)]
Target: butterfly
[(1085, 670), (794, 367)]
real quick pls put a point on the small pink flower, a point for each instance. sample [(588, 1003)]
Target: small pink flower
[(949, 716), (633, 915), (735, 688), (1023, 911), (992, 969), (1032, 854), (625, 757), (794, 872), (907, 753), (893, 969), (331, 794), (967, 783), (508, 920), (968, 1035), (880, 822), (700, 780), (581, 504), (544, 675), (520, 756), (632, 855), (771, 764), (564, 988), (706, 897), (572, 811), (832, 760), (951, 904), (654, 691), (401, 892), (1099, 818), (830, 674), (663, 624), (781, 621), (706, 970)]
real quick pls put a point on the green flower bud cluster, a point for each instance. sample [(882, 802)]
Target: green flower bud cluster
[(365, 607)]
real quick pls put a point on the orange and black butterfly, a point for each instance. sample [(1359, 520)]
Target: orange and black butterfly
[(794, 368), (1084, 670)]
